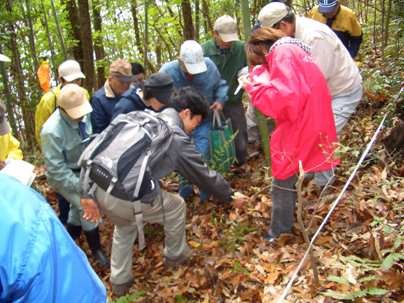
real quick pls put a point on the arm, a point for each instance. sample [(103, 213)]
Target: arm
[(279, 98), (189, 163), (221, 87), (59, 174), (14, 151), (44, 110), (124, 106)]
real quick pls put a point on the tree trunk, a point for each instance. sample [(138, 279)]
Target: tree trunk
[(197, 20), (59, 30), (27, 112), (188, 27), (31, 34), (73, 15), (208, 21), (387, 23), (98, 45), (50, 43), (146, 29), (87, 45)]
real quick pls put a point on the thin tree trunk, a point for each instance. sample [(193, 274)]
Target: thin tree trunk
[(387, 23), (73, 14), (146, 40), (206, 15), (98, 45), (19, 80), (197, 20), (188, 27), (48, 35), (87, 45), (59, 30), (31, 34)]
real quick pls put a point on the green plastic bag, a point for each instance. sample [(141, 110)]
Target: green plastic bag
[(221, 143)]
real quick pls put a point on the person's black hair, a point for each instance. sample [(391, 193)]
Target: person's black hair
[(289, 18), (187, 97), (137, 68)]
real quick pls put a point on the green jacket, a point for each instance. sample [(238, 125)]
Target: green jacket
[(62, 146), (228, 64)]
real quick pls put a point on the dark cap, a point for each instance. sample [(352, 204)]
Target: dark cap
[(159, 86)]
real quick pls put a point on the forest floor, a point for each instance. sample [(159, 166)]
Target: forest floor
[(359, 252)]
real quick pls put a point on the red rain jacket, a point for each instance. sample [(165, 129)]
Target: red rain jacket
[(291, 89)]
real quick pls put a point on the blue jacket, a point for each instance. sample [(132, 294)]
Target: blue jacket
[(131, 100), (39, 262), (103, 102), (209, 84)]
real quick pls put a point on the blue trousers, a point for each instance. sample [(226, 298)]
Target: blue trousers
[(200, 136)]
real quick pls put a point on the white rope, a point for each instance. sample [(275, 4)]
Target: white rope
[(334, 205)]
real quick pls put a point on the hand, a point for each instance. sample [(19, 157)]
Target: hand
[(244, 81), (91, 211), (2, 164), (216, 106), (239, 199)]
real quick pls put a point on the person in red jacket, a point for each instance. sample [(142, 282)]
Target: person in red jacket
[(287, 85)]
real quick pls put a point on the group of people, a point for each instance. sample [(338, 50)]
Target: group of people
[(301, 74)]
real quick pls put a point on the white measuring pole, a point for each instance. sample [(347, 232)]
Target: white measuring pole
[(335, 203)]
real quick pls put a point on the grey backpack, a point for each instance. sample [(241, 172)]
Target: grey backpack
[(119, 159)]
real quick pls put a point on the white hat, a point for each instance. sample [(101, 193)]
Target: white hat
[(4, 58), (74, 101), (272, 13), (70, 70), (226, 27), (191, 55)]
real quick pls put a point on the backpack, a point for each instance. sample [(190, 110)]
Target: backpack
[(119, 159)]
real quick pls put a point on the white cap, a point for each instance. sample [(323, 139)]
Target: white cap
[(73, 100), (70, 70), (226, 27), (4, 58), (272, 13), (191, 55)]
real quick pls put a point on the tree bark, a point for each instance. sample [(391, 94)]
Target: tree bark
[(208, 22), (31, 34), (98, 45), (48, 35), (59, 30), (87, 45), (188, 27), (197, 20), (27, 112), (73, 15)]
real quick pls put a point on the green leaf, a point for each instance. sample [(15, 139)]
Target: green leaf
[(377, 291), (389, 261), (340, 280)]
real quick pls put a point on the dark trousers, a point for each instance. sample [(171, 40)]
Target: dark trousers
[(283, 206), (64, 208), (235, 112)]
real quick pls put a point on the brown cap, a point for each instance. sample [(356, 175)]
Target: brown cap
[(226, 27), (73, 100), (122, 70)]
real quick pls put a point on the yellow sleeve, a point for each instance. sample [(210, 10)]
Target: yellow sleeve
[(43, 111), (9, 148), (356, 28)]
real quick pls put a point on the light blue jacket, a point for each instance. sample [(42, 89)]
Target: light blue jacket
[(39, 262), (62, 146), (209, 84)]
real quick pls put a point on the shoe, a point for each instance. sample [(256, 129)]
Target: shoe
[(183, 258), (93, 240), (119, 290), (270, 238)]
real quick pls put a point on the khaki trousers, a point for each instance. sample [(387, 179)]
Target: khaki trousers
[(167, 209)]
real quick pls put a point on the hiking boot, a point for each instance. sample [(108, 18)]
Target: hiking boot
[(183, 258), (119, 290), (93, 240)]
